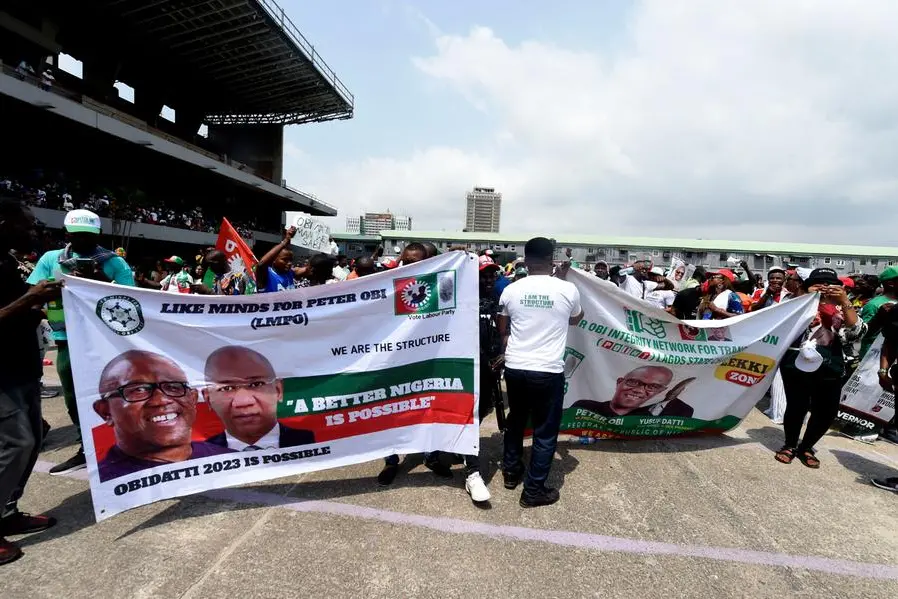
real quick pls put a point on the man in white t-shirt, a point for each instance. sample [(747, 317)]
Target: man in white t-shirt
[(663, 295), (636, 283), (535, 314)]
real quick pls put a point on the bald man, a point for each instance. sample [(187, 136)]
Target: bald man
[(146, 399), (637, 393), (244, 392)]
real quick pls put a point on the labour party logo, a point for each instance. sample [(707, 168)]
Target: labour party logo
[(121, 314), (425, 294), (641, 324)]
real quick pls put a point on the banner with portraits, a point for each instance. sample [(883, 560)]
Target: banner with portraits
[(184, 394), (635, 371)]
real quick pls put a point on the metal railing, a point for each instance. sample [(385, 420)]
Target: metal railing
[(277, 13), (311, 196)]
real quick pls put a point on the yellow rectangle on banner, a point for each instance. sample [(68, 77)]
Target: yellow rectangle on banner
[(745, 369)]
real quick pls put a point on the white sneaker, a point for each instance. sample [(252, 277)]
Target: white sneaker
[(476, 488)]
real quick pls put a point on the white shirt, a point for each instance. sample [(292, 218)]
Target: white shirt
[(661, 298), (722, 300), (636, 288), (170, 285), (270, 440), (339, 273), (540, 308)]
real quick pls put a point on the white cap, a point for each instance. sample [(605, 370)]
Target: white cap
[(82, 221), (809, 359), (658, 271)]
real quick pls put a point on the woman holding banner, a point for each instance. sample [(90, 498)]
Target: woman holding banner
[(813, 367), (720, 301)]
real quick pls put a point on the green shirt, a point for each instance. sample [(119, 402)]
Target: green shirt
[(867, 313), (116, 269)]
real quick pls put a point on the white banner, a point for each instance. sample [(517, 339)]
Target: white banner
[(864, 402), (182, 394), (634, 371), (311, 233)]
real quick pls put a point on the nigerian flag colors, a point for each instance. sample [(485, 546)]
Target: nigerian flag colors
[(425, 294), (179, 394)]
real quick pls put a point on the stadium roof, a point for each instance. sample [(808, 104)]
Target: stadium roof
[(245, 59), (702, 245)]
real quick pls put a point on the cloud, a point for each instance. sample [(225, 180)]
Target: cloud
[(762, 120)]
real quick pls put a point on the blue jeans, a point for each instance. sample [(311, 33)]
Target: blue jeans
[(534, 397)]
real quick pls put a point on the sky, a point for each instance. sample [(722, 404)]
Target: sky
[(762, 120)]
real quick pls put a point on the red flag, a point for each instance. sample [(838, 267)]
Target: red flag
[(239, 255)]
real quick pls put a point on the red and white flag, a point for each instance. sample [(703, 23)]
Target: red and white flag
[(240, 256)]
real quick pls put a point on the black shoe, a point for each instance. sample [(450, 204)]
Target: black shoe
[(512, 480), (388, 475), (889, 484), (76, 462), (544, 496), (439, 468)]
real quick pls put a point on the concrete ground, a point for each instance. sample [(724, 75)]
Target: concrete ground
[(708, 517)]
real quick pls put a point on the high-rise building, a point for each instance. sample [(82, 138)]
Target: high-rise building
[(402, 223), (354, 224), (372, 223), (484, 206), (375, 222)]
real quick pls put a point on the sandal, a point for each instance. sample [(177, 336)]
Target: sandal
[(785, 455), (807, 457)]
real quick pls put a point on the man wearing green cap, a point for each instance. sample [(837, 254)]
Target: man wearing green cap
[(81, 257), (873, 312), (178, 279)]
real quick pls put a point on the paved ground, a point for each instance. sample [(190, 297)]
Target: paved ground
[(712, 517)]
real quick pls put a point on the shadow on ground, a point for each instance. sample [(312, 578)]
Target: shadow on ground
[(865, 468), (73, 514), (770, 437), (61, 437), (677, 445)]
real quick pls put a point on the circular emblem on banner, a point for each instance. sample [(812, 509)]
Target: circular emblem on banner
[(121, 313), (416, 294)]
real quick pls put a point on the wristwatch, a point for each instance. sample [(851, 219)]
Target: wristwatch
[(883, 372)]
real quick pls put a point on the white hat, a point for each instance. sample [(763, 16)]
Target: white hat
[(658, 271), (804, 273), (809, 359), (82, 221)]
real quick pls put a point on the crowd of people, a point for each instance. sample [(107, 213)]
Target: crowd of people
[(520, 341), (59, 194)]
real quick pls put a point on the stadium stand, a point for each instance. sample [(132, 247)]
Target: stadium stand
[(238, 69)]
